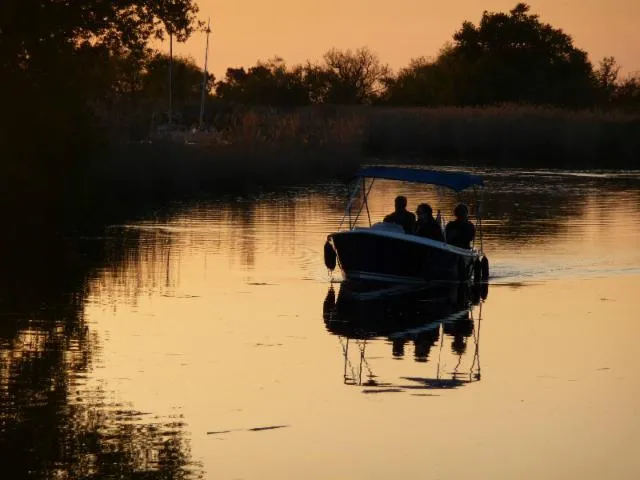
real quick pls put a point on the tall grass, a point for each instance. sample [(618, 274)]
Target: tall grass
[(301, 140), (251, 148), (508, 136)]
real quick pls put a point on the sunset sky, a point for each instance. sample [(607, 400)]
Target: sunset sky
[(244, 32)]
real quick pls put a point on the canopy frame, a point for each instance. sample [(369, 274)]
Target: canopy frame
[(456, 181)]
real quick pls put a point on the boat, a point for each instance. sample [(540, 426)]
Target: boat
[(384, 252)]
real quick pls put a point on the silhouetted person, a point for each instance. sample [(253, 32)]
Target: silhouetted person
[(426, 225), (460, 232), (402, 216)]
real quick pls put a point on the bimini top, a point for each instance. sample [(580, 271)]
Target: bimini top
[(455, 180)]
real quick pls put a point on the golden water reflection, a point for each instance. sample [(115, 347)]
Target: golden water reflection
[(224, 325), (211, 340)]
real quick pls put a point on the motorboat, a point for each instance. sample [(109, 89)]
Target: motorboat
[(384, 252)]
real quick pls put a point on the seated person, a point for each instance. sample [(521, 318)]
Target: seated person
[(460, 232), (426, 226), (401, 216)]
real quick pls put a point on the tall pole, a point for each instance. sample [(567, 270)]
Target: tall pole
[(205, 75), (170, 76)]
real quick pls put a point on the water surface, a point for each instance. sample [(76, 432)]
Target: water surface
[(209, 340)]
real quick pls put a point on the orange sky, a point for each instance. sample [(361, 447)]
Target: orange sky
[(251, 30)]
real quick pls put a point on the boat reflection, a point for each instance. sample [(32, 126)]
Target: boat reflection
[(368, 320)]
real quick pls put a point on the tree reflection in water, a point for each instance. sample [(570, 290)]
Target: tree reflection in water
[(52, 423), (363, 314)]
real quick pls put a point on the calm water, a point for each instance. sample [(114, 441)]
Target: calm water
[(209, 341)]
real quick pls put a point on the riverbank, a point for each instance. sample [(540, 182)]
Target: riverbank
[(246, 149), (251, 149), (509, 135)]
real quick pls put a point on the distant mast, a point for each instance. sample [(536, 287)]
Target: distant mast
[(170, 76), (166, 18), (205, 75)]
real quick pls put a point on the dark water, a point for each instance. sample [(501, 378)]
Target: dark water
[(209, 341)]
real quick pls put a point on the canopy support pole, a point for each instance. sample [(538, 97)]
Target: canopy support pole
[(366, 194), (347, 211), (366, 204)]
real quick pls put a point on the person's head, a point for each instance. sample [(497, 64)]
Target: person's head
[(424, 211), (461, 211), (401, 203)]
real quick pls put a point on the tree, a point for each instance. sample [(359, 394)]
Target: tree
[(58, 57), (266, 83), (344, 77), (30, 29), (187, 79), (517, 58), (347, 77), (428, 82), (508, 57), (413, 84), (626, 94), (606, 76)]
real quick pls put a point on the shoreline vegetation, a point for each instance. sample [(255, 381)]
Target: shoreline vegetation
[(269, 147), (87, 130), (508, 135)]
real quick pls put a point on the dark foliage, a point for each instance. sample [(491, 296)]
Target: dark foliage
[(56, 59), (78, 77), (267, 83), (508, 58), (344, 77)]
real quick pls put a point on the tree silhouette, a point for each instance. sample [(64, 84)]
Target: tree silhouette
[(344, 77), (426, 83), (348, 77), (516, 58), (509, 57), (606, 78), (267, 83), (57, 59), (187, 79), (626, 94)]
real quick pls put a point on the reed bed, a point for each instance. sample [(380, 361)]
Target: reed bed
[(248, 149), (257, 149), (251, 148), (507, 135)]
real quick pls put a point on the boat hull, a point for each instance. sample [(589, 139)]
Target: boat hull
[(368, 254)]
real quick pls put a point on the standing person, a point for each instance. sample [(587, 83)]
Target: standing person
[(401, 216), (426, 225), (460, 232)]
